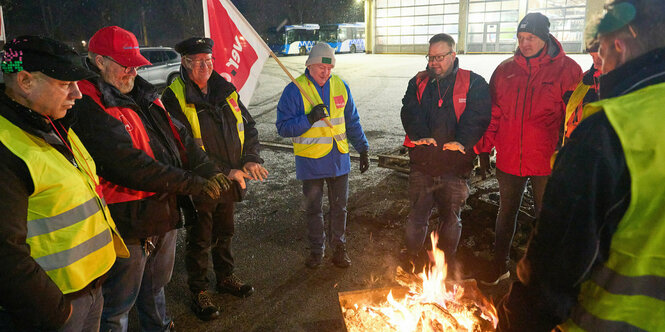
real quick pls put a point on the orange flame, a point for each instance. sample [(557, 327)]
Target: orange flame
[(429, 305)]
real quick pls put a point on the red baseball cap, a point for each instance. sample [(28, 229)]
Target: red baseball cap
[(119, 44)]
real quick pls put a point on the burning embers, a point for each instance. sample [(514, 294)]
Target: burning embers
[(427, 302)]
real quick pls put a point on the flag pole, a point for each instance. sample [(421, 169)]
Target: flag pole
[(302, 91)]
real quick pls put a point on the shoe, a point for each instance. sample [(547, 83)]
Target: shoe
[(314, 260), (234, 286), (340, 257), (171, 327), (494, 277), (203, 307)]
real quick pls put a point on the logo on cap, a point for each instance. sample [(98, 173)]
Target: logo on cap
[(326, 60)]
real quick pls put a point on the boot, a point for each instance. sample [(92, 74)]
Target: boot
[(340, 257), (234, 286), (203, 307)]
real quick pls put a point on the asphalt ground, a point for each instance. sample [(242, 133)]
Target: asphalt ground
[(270, 243)]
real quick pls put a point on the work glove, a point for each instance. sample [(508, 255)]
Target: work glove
[(216, 185), (484, 158), (364, 162), (317, 113)]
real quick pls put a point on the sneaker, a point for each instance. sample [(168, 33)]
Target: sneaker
[(234, 286), (340, 257), (314, 260), (494, 277), (203, 307)]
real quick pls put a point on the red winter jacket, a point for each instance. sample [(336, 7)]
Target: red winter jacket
[(528, 109)]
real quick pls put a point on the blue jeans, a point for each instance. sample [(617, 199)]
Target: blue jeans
[(338, 192), (449, 193), (140, 279), (86, 313)]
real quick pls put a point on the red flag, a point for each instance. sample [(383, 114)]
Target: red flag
[(239, 51)]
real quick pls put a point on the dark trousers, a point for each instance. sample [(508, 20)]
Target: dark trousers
[(210, 234), (86, 313), (511, 190), (448, 193), (338, 192)]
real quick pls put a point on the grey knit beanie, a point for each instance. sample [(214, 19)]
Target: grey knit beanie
[(537, 24), (321, 53)]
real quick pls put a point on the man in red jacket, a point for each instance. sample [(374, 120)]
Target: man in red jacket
[(527, 112)]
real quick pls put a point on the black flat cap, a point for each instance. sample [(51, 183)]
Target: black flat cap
[(194, 45), (46, 55)]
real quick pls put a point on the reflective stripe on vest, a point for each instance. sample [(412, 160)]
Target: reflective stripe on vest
[(574, 108), (318, 140), (69, 229), (460, 90), (628, 292), (178, 88)]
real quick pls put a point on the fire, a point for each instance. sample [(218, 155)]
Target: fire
[(430, 304)]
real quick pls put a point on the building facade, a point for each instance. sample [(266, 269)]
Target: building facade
[(478, 26)]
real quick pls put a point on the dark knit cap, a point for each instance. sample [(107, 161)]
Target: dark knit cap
[(537, 24), (194, 45)]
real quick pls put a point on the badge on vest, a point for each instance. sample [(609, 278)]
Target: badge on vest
[(234, 105), (128, 125), (339, 101)]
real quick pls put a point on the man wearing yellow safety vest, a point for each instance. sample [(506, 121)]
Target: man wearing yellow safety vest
[(595, 261), (322, 152), (211, 110), (57, 238), (585, 92)]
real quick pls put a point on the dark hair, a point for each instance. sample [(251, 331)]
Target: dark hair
[(443, 37)]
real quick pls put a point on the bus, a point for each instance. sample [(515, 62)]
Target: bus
[(344, 37), (296, 39)]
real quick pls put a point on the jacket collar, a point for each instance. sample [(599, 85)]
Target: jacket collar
[(647, 69)]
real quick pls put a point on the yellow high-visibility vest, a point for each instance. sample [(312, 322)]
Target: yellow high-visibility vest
[(70, 231), (178, 88), (627, 292), (318, 140)]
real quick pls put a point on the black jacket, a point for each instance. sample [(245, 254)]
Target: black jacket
[(168, 174), (26, 291), (427, 119), (585, 200), (218, 124)]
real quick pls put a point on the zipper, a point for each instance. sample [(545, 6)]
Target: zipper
[(517, 100), (526, 92), (533, 90)]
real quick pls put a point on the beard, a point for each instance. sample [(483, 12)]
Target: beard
[(124, 84)]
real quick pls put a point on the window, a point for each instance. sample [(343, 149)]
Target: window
[(412, 22)]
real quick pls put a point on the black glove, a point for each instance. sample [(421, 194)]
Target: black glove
[(216, 185), (484, 164), (317, 113), (364, 162)]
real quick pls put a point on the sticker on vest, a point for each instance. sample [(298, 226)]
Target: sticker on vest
[(339, 101), (234, 105), (128, 125)]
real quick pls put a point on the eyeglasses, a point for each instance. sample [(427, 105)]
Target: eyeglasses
[(437, 58), (125, 68), (198, 63)]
